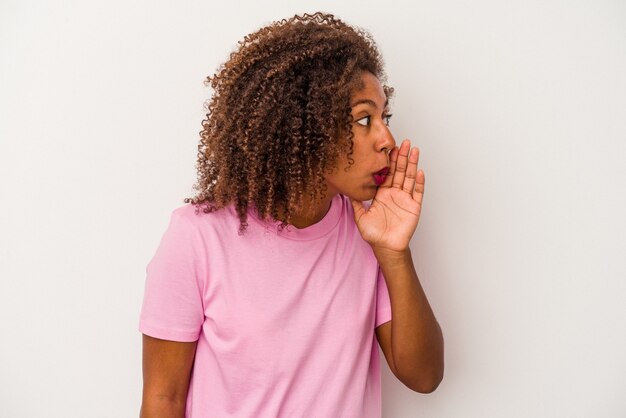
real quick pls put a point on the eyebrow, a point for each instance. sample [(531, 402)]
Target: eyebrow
[(369, 102)]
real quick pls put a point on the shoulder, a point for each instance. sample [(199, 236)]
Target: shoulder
[(196, 214), (220, 224), (192, 222), (185, 211)]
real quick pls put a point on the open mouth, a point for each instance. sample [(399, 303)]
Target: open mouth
[(380, 176)]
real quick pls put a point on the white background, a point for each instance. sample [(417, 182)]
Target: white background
[(519, 108)]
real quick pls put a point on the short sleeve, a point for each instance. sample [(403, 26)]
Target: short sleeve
[(173, 305), (383, 304)]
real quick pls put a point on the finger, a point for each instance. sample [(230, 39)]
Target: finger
[(411, 171), (401, 163), (393, 158), (418, 190)]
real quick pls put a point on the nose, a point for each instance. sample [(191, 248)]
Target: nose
[(385, 142)]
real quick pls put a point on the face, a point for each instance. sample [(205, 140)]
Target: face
[(372, 143)]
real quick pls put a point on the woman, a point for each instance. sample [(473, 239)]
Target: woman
[(272, 285)]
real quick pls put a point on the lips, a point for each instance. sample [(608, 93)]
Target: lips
[(379, 176)]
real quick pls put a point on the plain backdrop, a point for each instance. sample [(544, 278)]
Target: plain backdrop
[(519, 108)]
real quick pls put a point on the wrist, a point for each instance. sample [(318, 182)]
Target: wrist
[(388, 257)]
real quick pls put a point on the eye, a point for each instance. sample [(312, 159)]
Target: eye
[(364, 121), (387, 119)]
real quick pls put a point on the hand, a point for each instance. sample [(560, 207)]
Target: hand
[(392, 218)]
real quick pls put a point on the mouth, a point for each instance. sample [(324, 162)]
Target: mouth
[(380, 176)]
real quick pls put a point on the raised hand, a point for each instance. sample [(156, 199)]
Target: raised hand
[(389, 223)]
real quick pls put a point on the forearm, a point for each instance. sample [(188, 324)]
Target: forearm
[(167, 369), (416, 338), (162, 407)]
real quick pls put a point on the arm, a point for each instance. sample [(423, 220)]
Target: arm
[(166, 371), (412, 341)]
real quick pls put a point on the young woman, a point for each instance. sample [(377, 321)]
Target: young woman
[(271, 287)]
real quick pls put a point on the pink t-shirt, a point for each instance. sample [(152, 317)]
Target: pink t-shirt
[(284, 318)]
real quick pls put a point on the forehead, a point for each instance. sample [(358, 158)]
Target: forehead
[(369, 91)]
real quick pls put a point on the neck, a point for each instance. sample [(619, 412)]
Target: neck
[(306, 218)]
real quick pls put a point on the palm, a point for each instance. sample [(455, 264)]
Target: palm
[(393, 216)]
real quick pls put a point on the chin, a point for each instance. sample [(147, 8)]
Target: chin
[(363, 195)]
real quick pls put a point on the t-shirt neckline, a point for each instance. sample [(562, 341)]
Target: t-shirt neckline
[(317, 230)]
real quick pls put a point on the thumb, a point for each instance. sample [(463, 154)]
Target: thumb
[(358, 207)]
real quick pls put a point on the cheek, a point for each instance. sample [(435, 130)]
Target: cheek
[(360, 151), (340, 180), (360, 159), (342, 163)]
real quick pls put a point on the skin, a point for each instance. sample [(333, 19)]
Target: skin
[(412, 341), (166, 372)]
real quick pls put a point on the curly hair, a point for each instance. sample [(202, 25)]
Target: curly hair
[(280, 116)]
